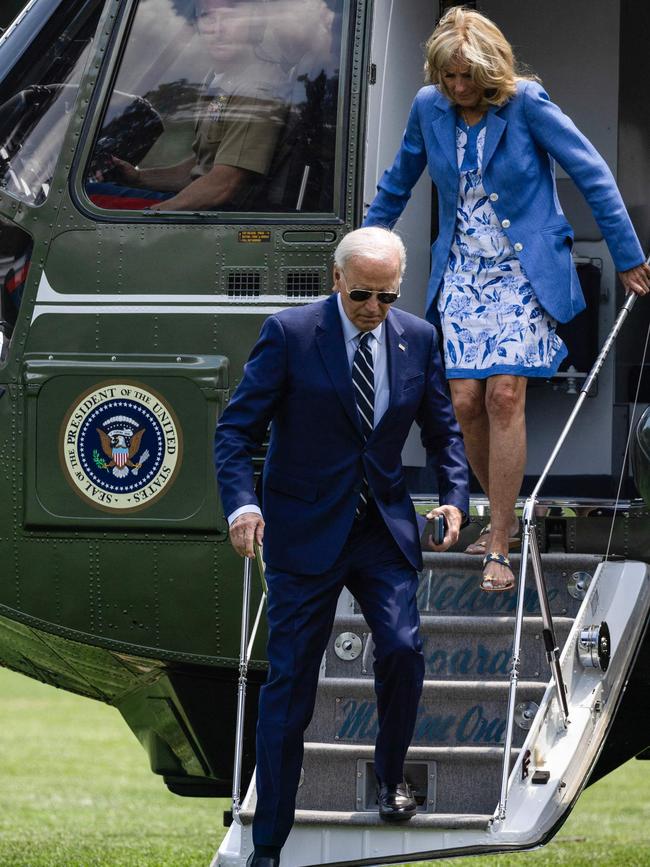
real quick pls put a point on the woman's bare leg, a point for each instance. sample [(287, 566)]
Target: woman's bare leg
[(468, 399), (491, 416), (505, 402)]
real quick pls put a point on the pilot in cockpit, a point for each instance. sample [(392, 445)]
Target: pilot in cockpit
[(240, 115)]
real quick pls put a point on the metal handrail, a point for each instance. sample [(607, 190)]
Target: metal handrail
[(529, 544), (245, 650)]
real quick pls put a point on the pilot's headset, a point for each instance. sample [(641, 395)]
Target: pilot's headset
[(257, 23)]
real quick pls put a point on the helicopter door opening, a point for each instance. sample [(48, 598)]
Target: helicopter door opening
[(397, 59), (579, 66), (581, 75)]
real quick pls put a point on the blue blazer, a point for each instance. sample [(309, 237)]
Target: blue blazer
[(298, 378), (521, 138)]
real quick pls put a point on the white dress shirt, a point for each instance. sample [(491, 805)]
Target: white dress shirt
[(380, 368), (379, 362)]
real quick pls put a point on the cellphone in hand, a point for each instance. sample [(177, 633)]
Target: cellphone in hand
[(434, 531)]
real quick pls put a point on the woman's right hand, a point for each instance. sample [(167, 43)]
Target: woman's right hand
[(127, 172)]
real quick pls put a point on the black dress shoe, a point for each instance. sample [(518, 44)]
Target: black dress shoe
[(263, 860), (396, 802)]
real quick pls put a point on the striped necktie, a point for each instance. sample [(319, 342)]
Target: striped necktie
[(363, 380)]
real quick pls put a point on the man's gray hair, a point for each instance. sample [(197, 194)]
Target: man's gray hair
[(371, 242)]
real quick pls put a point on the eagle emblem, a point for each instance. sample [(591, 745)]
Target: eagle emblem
[(120, 437), (121, 446)]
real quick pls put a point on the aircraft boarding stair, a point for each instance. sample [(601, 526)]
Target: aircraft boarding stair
[(455, 761)]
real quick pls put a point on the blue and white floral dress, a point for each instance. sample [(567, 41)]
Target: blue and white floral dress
[(491, 320)]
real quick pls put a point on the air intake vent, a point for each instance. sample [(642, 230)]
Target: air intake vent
[(303, 284), (244, 284)]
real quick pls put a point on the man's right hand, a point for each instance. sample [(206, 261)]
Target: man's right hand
[(245, 530), (128, 173)]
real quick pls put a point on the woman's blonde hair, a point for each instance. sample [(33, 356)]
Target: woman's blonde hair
[(465, 36)]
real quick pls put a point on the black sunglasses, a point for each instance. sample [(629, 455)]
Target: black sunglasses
[(364, 294)]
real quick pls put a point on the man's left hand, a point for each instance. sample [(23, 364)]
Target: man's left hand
[(453, 521)]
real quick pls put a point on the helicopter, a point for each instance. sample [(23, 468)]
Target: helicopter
[(133, 288)]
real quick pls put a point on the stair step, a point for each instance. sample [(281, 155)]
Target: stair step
[(449, 584), (446, 780), (420, 820), (454, 647), (451, 713), (364, 751), (371, 820)]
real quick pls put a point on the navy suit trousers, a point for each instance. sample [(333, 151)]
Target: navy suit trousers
[(301, 611)]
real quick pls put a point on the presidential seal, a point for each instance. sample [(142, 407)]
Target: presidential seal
[(120, 446)]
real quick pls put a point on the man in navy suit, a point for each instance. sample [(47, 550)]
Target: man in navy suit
[(341, 381)]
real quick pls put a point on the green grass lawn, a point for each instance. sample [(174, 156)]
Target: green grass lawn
[(77, 792)]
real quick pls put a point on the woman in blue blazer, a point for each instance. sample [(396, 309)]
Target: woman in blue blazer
[(502, 274)]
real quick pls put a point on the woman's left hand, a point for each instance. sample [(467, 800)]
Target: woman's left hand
[(636, 279)]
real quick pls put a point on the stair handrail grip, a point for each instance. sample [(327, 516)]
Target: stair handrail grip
[(530, 543)]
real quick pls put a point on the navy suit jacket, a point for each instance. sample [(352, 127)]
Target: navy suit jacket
[(518, 175), (298, 378)]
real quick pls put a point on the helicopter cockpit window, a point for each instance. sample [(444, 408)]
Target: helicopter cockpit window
[(223, 105), (15, 256), (36, 98)]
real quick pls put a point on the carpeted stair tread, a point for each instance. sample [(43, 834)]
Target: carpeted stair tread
[(454, 648), (441, 623), (447, 559), (451, 821), (451, 713), (452, 780), (371, 819), (449, 585), (415, 753), (484, 688)]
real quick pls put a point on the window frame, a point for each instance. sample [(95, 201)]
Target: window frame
[(18, 38), (44, 11), (99, 105)]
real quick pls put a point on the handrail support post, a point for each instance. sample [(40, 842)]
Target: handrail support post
[(241, 690)]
